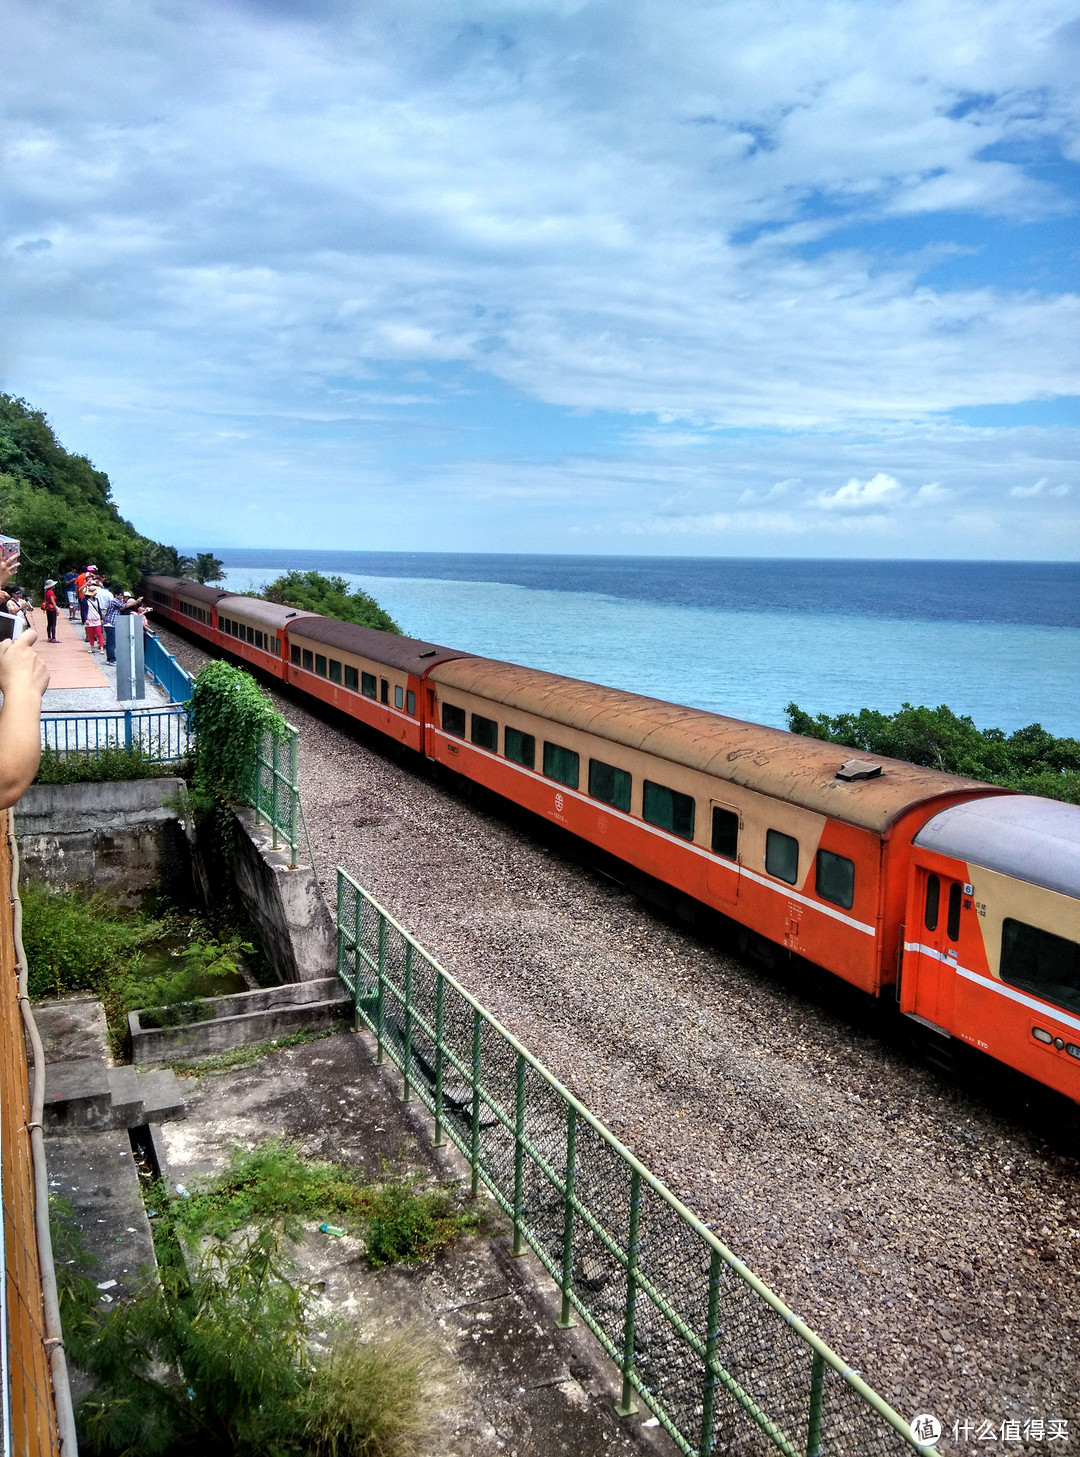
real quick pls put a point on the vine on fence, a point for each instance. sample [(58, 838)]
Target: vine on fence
[(231, 714)]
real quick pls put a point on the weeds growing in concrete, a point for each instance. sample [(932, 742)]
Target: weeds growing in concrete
[(78, 942), (400, 1220), (221, 1361), (237, 1057)]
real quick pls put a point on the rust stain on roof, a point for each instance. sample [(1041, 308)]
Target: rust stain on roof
[(768, 760), (407, 654)]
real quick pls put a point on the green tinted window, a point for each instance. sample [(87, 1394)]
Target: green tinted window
[(367, 685), (294, 653), (309, 661), (782, 856), (520, 748), (1042, 963), (485, 733), (453, 720), (669, 810), (835, 878), (410, 702), (610, 784), (352, 678), (561, 765), (399, 696), (335, 671), (725, 833), (320, 665)]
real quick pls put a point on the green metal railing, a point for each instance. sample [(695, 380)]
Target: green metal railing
[(710, 1350), (275, 794)]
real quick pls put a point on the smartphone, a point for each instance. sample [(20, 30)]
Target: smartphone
[(11, 627), (9, 548)]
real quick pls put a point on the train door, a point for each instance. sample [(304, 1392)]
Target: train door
[(937, 938), (724, 866)]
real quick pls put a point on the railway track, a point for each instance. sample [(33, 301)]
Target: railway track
[(926, 1231)]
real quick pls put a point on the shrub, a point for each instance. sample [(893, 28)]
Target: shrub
[(221, 1362), (115, 762), (314, 592), (1030, 759)]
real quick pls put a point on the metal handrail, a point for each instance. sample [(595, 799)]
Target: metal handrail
[(409, 1016)]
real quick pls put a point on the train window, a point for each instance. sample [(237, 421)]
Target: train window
[(320, 665), (294, 653), (782, 856), (485, 733), (308, 659), (335, 670), (952, 925), (384, 691), (367, 684), (251, 635), (835, 878), (352, 678), (933, 901), (725, 833), (260, 640), (1040, 962), (453, 720), (610, 784), (668, 810), (399, 697), (410, 703), (562, 765), (520, 748)]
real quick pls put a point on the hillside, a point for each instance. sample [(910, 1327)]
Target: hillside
[(61, 508)]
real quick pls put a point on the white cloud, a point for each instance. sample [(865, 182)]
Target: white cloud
[(273, 220), (870, 495), (1041, 487)]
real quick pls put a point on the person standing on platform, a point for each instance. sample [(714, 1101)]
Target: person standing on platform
[(52, 609), (71, 579), (113, 609), (94, 634)]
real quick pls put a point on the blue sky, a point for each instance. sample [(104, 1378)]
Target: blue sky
[(632, 276)]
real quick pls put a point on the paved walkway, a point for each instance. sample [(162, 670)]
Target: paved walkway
[(80, 681)]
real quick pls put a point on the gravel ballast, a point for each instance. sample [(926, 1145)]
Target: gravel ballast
[(929, 1236)]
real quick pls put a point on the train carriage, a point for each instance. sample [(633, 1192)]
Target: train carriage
[(374, 676), (777, 831), (256, 631), (189, 603), (992, 933)]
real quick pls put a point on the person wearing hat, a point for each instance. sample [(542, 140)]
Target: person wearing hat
[(52, 608)]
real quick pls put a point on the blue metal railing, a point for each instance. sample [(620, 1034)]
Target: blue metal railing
[(160, 734), (166, 671)]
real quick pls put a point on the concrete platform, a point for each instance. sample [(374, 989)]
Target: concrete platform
[(511, 1384)]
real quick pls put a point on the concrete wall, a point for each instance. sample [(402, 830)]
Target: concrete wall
[(125, 837), (242, 1020), (286, 905)]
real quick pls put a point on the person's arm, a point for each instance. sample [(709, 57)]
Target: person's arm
[(23, 679)]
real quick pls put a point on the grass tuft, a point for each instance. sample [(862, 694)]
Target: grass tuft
[(366, 1400), (237, 1057)]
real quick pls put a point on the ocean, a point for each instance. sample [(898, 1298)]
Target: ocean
[(999, 641)]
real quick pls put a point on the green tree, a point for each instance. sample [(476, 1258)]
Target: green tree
[(59, 505), (166, 561), (313, 592), (208, 568), (1030, 759)]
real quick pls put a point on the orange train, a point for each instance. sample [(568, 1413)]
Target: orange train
[(959, 898)]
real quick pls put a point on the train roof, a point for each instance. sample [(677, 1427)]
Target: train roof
[(258, 610), (1022, 835), (408, 654), (768, 760), (195, 590)]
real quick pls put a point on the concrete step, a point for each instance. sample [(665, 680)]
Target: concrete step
[(85, 1094), (218, 1024), (78, 1094), (162, 1098)]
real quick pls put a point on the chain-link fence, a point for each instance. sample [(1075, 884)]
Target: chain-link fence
[(274, 794), (711, 1351)]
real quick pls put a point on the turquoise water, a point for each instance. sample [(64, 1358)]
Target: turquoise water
[(747, 662)]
